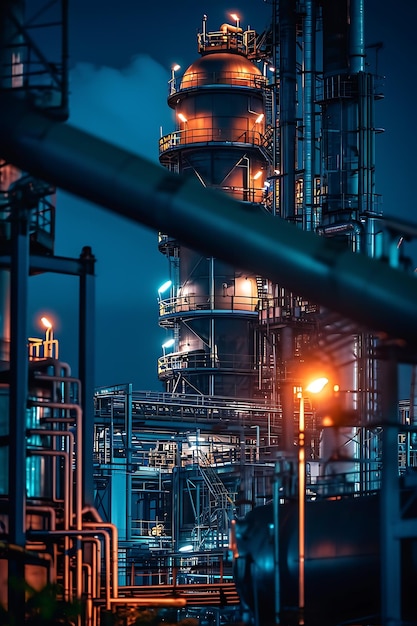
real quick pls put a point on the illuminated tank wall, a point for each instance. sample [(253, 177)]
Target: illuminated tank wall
[(220, 141)]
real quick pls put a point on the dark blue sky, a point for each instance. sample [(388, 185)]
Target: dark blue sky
[(120, 58)]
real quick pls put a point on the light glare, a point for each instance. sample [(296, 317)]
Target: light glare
[(317, 385), (46, 322), (167, 284), (187, 548)]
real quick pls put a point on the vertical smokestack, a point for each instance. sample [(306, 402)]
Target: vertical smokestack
[(356, 36)]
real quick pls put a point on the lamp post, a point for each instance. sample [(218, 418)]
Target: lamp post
[(168, 344), (314, 386), (172, 85), (49, 342)]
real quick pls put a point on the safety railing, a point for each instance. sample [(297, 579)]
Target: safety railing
[(181, 138), (195, 360), (203, 302), (287, 307), (233, 39), (233, 78)]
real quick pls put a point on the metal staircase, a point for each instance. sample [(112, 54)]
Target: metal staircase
[(215, 518)]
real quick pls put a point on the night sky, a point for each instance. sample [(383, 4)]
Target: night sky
[(120, 59)]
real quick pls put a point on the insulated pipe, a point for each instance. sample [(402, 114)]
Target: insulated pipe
[(362, 289), (95, 563), (228, 28), (88, 585), (81, 534), (68, 504), (67, 406), (67, 487), (309, 157), (287, 106), (112, 528), (151, 601), (356, 36)]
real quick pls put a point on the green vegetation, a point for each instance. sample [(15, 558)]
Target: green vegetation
[(42, 608)]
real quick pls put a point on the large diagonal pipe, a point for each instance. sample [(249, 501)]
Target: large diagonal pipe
[(362, 289)]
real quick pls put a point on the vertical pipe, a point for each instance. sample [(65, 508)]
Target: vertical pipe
[(212, 327), (301, 512), (12, 318), (356, 36), (277, 485), (287, 107), (128, 413), (287, 391), (390, 498), (18, 402), (86, 371), (276, 164), (308, 111), (64, 56)]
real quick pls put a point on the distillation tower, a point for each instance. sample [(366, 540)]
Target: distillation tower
[(220, 141)]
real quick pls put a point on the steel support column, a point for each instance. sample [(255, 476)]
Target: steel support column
[(19, 272), (86, 369), (390, 498)]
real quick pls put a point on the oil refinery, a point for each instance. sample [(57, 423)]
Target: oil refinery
[(272, 481)]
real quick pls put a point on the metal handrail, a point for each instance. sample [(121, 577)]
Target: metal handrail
[(207, 135), (203, 302)]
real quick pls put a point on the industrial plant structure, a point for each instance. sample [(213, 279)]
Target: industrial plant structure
[(237, 493)]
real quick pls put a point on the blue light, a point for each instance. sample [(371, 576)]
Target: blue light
[(167, 284)]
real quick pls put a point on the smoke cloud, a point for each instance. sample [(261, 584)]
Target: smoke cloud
[(126, 107)]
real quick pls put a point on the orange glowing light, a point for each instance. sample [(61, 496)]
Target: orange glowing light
[(317, 385), (46, 322), (182, 117)]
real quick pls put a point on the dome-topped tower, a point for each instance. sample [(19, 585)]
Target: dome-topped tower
[(220, 140)]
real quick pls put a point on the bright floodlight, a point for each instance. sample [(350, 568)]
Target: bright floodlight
[(176, 67), (167, 284), (259, 118), (168, 343), (257, 175), (234, 17), (182, 117), (46, 322), (186, 548), (317, 385)]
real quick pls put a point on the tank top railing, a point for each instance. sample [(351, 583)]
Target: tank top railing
[(228, 39), (206, 135), (201, 302), (198, 359), (234, 78)]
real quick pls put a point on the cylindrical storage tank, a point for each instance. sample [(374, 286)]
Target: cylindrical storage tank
[(342, 563), (220, 113)]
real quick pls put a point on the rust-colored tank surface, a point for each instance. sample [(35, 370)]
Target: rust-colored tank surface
[(222, 68)]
